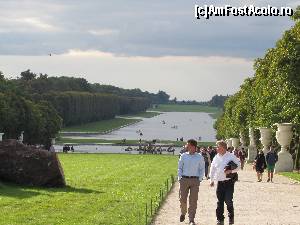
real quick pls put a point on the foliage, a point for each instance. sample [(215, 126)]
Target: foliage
[(35, 104), (218, 101), (39, 121), (272, 95)]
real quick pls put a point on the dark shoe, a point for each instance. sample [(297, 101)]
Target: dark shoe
[(182, 218), (220, 222), (231, 221)]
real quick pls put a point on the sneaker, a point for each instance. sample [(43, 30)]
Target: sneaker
[(268, 180), (182, 218), (220, 222)]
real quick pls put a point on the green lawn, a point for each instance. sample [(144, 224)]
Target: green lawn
[(103, 189), (292, 175), (101, 126), (188, 108), (130, 142), (143, 114)]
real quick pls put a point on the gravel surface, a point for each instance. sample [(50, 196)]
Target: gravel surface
[(256, 203)]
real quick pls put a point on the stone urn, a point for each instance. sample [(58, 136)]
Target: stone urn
[(265, 138), (284, 136), (235, 142), (242, 140), (1, 134), (229, 143), (252, 150)]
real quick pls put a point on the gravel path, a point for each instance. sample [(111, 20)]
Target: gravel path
[(255, 203)]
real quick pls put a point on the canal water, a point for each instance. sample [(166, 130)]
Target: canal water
[(166, 126)]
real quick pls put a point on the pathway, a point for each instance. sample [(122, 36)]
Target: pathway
[(255, 203)]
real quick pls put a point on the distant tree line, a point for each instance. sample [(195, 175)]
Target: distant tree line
[(216, 101), (40, 105)]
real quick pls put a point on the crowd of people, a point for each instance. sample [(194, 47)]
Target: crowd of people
[(219, 164)]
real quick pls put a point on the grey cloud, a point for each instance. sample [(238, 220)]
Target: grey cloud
[(145, 28)]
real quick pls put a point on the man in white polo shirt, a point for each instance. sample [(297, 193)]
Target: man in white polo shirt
[(191, 169), (225, 185)]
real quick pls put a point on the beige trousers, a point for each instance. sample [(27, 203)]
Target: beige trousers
[(189, 185)]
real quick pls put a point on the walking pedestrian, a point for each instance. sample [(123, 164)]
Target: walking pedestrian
[(260, 165), (191, 169), (225, 181), (207, 161), (271, 159)]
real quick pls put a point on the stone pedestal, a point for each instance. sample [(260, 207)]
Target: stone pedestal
[(252, 150), (243, 141), (235, 142), (265, 138), (1, 134), (229, 143), (284, 136)]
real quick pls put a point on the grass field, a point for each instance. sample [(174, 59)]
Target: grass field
[(101, 126), (143, 114), (292, 175), (103, 189), (188, 108), (128, 142)]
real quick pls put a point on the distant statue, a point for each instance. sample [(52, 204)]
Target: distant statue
[(21, 138)]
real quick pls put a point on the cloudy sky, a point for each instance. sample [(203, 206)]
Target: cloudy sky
[(151, 45)]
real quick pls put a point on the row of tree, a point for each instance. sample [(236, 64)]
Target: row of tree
[(41, 105), (216, 101), (271, 96), (82, 107), (42, 83)]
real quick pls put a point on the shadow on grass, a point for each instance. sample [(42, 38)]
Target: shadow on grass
[(22, 192)]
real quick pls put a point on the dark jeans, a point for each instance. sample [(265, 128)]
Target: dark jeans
[(225, 194), (206, 169)]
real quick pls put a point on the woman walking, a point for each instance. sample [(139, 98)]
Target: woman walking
[(260, 165)]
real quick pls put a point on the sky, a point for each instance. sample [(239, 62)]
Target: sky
[(152, 45)]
